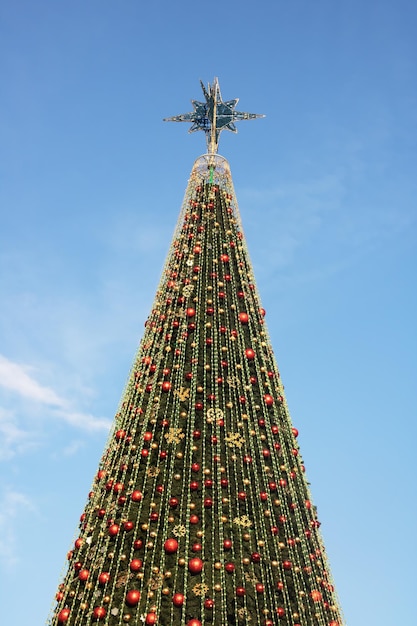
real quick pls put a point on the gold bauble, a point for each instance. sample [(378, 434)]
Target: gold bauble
[(245, 417), (165, 591), (224, 349), (207, 367), (167, 574), (224, 519), (263, 437), (153, 505), (72, 593), (253, 433), (153, 534), (110, 555), (134, 447), (123, 557), (225, 500), (154, 446), (274, 563), (222, 470), (200, 389), (140, 575), (195, 278), (149, 545), (179, 455), (261, 543), (295, 615), (281, 545), (277, 502), (151, 594), (84, 605), (233, 306), (265, 611), (192, 506), (246, 561), (171, 519), (221, 311), (176, 366), (209, 302), (229, 405), (246, 537), (177, 476), (217, 587), (217, 565), (207, 471), (155, 570), (267, 513), (297, 569), (126, 617), (194, 448), (234, 457), (263, 368), (199, 533), (106, 599), (145, 526), (183, 414), (181, 562)]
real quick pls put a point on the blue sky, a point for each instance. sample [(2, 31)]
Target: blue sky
[(91, 186)]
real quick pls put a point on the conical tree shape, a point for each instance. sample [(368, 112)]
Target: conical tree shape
[(200, 511)]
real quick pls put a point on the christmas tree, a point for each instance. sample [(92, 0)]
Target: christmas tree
[(200, 511)]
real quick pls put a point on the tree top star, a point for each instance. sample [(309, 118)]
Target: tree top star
[(213, 115)]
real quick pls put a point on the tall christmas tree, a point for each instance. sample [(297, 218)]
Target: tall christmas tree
[(200, 511)]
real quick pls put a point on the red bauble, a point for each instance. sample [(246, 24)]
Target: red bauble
[(316, 596), (78, 543), (208, 503), (83, 574), (294, 432), (259, 588), (250, 354), (195, 467), (280, 611), (151, 618), (101, 513), (173, 502), (195, 565), (128, 526), (77, 566), (255, 557), (99, 612), (178, 599), (194, 485), (133, 597), (103, 578), (229, 567), (113, 530), (268, 399), (224, 258), (240, 591), (136, 496), (166, 385), (243, 318), (135, 565), (120, 434), (118, 487), (227, 544), (137, 544), (287, 565), (193, 622), (190, 312), (171, 546), (196, 547), (63, 615), (208, 603), (194, 519)]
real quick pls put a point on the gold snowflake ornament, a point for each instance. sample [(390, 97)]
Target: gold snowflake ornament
[(174, 435), (234, 440)]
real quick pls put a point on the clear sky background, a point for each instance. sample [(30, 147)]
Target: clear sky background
[(91, 186)]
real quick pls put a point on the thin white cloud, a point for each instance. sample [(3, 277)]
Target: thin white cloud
[(15, 378), (12, 503)]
